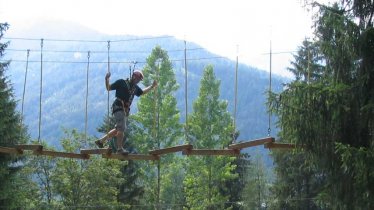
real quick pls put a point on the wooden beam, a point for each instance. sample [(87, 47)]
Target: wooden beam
[(10, 150), (229, 152), (274, 145), (62, 154), (96, 151), (37, 147), (171, 149), (251, 143), (131, 157)]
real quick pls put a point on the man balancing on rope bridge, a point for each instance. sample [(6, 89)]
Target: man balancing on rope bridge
[(125, 92)]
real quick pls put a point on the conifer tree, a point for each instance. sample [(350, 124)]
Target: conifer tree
[(332, 115), (11, 132), (130, 191), (81, 183), (210, 127), (155, 126)]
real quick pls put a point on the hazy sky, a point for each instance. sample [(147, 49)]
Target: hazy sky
[(225, 27)]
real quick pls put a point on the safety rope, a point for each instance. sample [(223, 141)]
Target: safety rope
[(185, 92), (24, 84), (236, 94), (269, 129), (156, 121), (108, 72), (41, 87), (86, 116)]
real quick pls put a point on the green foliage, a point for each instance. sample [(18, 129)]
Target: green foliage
[(257, 181), (12, 132), (210, 126), (39, 169), (156, 125), (330, 115)]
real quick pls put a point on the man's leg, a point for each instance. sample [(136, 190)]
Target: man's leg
[(100, 143), (120, 127)]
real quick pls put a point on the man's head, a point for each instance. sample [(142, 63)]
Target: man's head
[(137, 76)]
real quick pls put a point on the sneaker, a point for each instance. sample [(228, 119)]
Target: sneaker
[(122, 151), (99, 144)]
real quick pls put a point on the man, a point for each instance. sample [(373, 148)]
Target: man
[(125, 92)]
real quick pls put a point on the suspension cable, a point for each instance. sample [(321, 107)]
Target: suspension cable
[(86, 118), (108, 72), (236, 94), (41, 87), (185, 91), (269, 129), (24, 84)]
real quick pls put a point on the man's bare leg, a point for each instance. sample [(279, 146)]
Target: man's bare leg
[(100, 143), (120, 141)]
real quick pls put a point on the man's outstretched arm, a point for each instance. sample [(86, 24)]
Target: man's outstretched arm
[(147, 89)]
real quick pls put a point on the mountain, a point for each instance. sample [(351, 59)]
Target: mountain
[(65, 65)]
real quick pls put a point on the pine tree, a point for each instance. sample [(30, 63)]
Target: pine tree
[(155, 126), (11, 132), (81, 183), (210, 127), (332, 115)]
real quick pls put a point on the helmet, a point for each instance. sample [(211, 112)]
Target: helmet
[(138, 74)]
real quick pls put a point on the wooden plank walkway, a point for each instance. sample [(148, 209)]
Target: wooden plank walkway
[(131, 157), (33, 147), (10, 150), (251, 143), (98, 151), (208, 152), (171, 149), (61, 154), (273, 145)]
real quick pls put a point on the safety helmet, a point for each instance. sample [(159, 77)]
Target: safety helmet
[(138, 74)]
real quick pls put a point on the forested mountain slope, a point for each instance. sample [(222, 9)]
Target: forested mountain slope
[(65, 64)]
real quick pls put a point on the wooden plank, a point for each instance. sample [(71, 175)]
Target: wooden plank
[(274, 145), (171, 149), (131, 156), (62, 154), (229, 152), (251, 143), (10, 150), (29, 147), (96, 151)]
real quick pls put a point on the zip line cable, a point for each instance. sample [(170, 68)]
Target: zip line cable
[(24, 84), (41, 88), (86, 116)]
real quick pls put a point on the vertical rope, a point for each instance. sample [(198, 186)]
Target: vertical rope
[(236, 93), (308, 62), (41, 87), (108, 72), (86, 118), (269, 129), (185, 91), (24, 84)]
